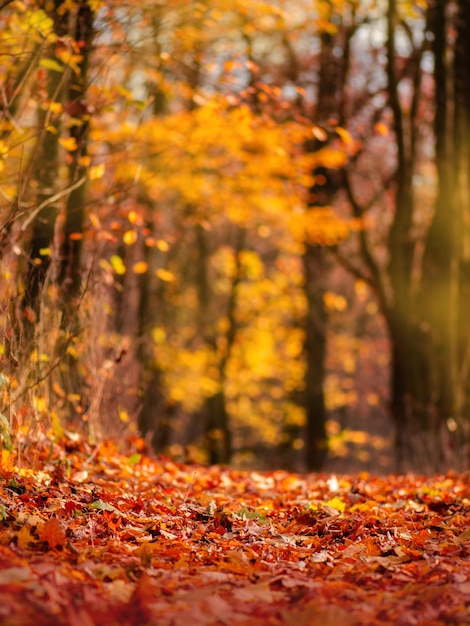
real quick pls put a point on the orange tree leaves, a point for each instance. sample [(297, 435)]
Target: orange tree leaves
[(178, 159), (97, 536)]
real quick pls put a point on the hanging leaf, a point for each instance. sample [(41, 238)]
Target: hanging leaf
[(51, 64), (118, 265), (69, 143), (129, 237), (5, 435), (165, 275), (140, 268)]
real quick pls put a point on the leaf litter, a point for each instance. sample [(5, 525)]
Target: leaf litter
[(92, 538)]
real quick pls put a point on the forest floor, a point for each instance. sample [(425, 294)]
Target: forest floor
[(91, 537)]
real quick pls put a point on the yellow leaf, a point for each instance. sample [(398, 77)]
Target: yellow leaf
[(6, 458), (96, 171), (56, 425), (118, 265), (129, 237), (133, 217), (94, 219), (165, 275), (159, 335), (68, 143), (345, 136), (40, 404), (73, 353), (70, 59), (330, 157), (56, 107), (162, 245), (337, 503)]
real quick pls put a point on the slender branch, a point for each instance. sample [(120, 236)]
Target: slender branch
[(50, 200), (350, 267), (376, 278), (5, 4), (393, 87), (233, 302)]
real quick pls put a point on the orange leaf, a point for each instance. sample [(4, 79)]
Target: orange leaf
[(140, 268), (53, 533), (69, 143), (381, 128)]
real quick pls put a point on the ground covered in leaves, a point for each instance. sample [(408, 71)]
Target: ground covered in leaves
[(89, 537)]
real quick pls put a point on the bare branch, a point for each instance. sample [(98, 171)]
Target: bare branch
[(50, 200), (350, 267), (376, 279), (5, 4)]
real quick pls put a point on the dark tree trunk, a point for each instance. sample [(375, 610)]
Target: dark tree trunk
[(461, 425), (70, 253), (315, 268), (45, 176), (428, 388), (218, 433), (316, 262)]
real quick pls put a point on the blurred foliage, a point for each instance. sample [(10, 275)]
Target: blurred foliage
[(198, 174)]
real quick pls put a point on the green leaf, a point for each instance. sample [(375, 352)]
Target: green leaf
[(246, 514), (104, 506), (3, 513), (134, 459), (5, 433), (52, 65)]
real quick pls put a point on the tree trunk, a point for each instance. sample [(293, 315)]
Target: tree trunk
[(315, 270), (218, 433), (429, 356), (460, 426), (70, 252), (316, 262), (45, 176)]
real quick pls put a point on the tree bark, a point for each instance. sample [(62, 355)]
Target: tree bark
[(316, 261), (45, 177), (70, 273)]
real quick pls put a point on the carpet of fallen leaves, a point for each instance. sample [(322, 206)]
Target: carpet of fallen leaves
[(91, 537)]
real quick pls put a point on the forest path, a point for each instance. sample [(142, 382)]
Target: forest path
[(90, 537)]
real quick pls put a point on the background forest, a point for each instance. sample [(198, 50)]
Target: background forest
[(238, 228)]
